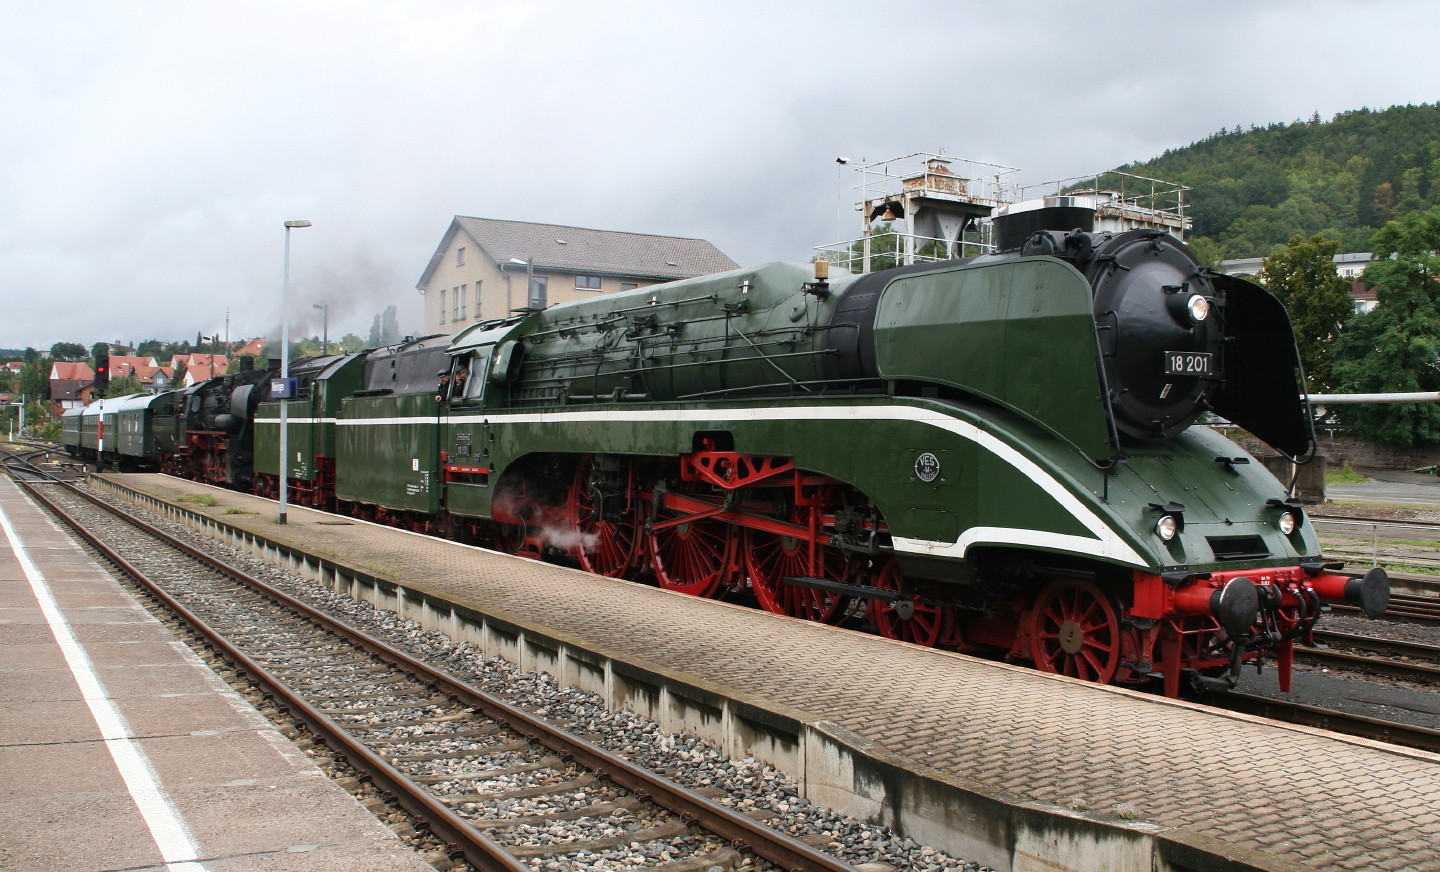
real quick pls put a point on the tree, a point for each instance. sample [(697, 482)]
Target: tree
[(389, 327), (123, 386), (1302, 275), (35, 380), (67, 351), (1394, 348), (886, 250), (1207, 251), (385, 329)]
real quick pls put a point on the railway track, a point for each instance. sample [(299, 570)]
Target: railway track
[(1403, 607), (498, 785), (397, 707), (1381, 542), (22, 463), (1413, 661), (1335, 721)]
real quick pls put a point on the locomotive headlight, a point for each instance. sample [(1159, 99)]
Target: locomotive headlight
[(1167, 527), (1286, 523), (1198, 308)]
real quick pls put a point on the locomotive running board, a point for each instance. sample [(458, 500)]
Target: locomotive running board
[(855, 590)]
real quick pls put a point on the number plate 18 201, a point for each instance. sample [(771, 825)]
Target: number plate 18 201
[(1189, 363)]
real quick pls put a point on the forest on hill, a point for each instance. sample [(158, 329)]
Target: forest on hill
[(1344, 178)]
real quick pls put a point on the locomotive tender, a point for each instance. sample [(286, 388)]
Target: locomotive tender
[(993, 454)]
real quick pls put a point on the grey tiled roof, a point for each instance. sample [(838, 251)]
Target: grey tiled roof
[(584, 250)]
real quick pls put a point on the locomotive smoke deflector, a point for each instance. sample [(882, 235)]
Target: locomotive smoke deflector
[(1261, 392)]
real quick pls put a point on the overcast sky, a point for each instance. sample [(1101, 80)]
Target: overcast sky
[(151, 151)]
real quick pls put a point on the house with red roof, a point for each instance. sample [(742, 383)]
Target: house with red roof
[(72, 384), (254, 348), (198, 367)]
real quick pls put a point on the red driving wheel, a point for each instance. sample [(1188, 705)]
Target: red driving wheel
[(693, 557), (769, 557), (607, 535), (910, 619), (1075, 631)]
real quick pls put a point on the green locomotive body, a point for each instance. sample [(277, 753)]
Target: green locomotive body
[(985, 453), (311, 430), (387, 437), (994, 454)]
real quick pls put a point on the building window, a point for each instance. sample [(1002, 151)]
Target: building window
[(459, 303), (460, 256), (628, 286), (442, 305), (587, 283), (477, 301), (537, 297)]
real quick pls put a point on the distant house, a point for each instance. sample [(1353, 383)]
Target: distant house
[(198, 367), (15, 366), (72, 385), (480, 269), (1348, 266), (146, 370), (253, 348)]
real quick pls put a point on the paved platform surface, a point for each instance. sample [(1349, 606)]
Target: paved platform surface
[(119, 749), (1320, 801)]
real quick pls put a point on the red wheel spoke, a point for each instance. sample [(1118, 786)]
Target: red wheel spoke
[(1075, 631), (694, 557), (769, 558), (607, 531), (926, 622)]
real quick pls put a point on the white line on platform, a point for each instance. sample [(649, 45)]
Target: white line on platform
[(167, 827)]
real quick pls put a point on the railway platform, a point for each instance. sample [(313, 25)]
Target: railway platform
[(1003, 765), (120, 749)]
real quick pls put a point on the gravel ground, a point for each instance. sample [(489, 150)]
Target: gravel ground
[(687, 759)]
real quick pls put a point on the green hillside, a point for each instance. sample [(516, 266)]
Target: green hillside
[(1254, 189)]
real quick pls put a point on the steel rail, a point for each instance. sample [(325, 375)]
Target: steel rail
[(1377, 665), (742, 832), (1380, 644), (477, 849), (1357, 521), (1403, 607), (1328, 719)]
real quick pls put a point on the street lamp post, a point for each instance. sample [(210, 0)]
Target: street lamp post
[(529, 279), (325, 330), (284, 471)]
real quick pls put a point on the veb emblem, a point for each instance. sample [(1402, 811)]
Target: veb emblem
[(927, 467)]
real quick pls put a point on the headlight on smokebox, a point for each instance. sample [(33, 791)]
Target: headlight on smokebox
[(1167, 527), (1198, 308), (1287, 514)]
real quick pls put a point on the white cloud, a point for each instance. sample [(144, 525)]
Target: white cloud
[(152, 149)]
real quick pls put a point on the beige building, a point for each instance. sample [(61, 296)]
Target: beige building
[(486, 268)]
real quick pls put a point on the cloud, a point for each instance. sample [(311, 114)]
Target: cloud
[(152, 150)]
